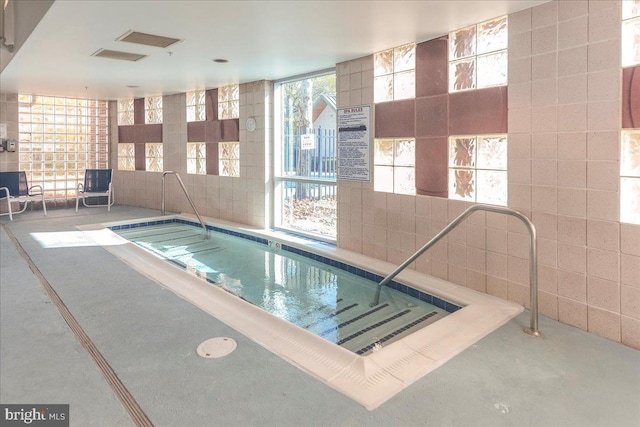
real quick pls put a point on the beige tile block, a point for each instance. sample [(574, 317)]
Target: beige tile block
[(544, 145), (630, 301), (423, 206), (603, 264), (572, 117), (518, 293), (603, 145), (439, 209), (571, 9), (520, 45), (604, 24), (519, 146), (518, 245), (519, 171), (477, 237), (519, 120), (603, 294), (477, 281), (544, 66), (603, 205), (573, 313), (572, 258), (572, 61), (572, 230), (544, 92), (455, 208), (596, 5), (546, 224), (496, 221), (604, 55), (572, 145), (517, 270), (544, 15), (572, 89), (572, 285), (548, 278), (604, 85), (603, 115), (604, 323), (497, 240), (603, 235), (630, 332), (520, 22), (497, 265), (457, 255), (544, 39), (603, 175), (519, 95), (630, 270), (572, 173), (497, 287), (573, 33), (548, 305), (544, 199), (519, 196), (355, 81), (519, 70), (630, 239), (476, 259), (544, 172)]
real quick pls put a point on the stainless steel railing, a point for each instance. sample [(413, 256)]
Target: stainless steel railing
[(533, 257), (186, 193)]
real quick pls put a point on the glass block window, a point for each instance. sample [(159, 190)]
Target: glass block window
[(630, 33), (154, 157), (478, 56), (58, 139), (229, 158), (394, 73), (229, 102), (126, 157), (630, 177), (196, 158), (125, 112), (394, 166), (153, 110), (478, 168), (196, 107)]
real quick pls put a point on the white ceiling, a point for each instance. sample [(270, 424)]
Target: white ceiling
[(261, 39)]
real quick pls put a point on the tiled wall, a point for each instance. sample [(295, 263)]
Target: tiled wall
[(240, 199), (9, 116), (564, 128)]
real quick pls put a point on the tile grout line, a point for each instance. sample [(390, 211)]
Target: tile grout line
[(131, 406)]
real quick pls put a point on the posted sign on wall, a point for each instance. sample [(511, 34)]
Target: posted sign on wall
[(354, 154)]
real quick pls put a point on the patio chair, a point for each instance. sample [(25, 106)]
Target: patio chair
[(97, 183), (14, 187)]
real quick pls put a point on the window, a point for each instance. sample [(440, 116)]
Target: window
[(394, 74), (630, 33), (153, 110), (229, 102), (196, 107), (478, 56), (126, 157), (125, 112), (229, 158), (478, 168), (630, 177), (196, 158), (58, 139), (394, 166), (153, 157)]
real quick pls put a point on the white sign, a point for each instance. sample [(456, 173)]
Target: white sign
[(307, 142), (354, 152), (3, 131)]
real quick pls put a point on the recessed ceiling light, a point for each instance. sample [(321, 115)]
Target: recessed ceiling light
[(221, 61)]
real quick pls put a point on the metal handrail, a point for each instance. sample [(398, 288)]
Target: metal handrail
[(186, 193), (533, 257)]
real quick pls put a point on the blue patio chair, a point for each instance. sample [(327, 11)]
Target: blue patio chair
[(97, 183), (14, 187)]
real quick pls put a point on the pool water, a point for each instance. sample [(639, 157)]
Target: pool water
[(323, 299)]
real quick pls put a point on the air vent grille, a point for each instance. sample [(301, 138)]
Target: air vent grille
[(147, 39), (115, 54)]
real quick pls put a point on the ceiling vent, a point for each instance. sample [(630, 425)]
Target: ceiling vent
[(147, 39), (115, 54)]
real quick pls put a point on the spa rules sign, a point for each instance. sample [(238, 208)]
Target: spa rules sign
[(354, 151)]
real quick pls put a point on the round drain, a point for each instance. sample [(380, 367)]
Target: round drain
[(216, 347)]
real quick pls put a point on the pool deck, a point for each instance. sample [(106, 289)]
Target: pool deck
[(148, 336)]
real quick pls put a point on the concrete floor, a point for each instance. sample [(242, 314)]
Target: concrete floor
[(148, 335)]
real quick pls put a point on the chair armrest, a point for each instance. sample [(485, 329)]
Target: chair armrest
[(5, 191), (80, 187), (31, 193)]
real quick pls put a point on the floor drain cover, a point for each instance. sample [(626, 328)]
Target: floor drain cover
[(216, 347)]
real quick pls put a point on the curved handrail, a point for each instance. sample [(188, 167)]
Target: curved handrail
[(533, 257), (186, 193)]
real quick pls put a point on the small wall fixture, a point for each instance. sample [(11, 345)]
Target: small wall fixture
[(221, 61)]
